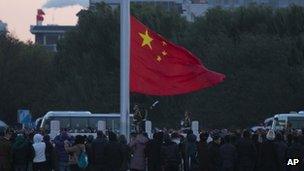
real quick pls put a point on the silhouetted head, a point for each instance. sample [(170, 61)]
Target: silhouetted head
[(46, 138), (100, 134), (279, 137), (79, 139), (246, 134), (204, 136), (189, 132), (122, 139), (227, 139), (112, 137), (158, 137), (167, 138)]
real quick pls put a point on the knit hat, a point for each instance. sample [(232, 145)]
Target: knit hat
[(270, 135)]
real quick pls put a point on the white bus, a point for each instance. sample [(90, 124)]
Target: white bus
[(81, 122), (291, 120), (38, 122)]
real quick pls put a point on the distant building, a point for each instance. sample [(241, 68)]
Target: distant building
[(2, 26), (48, 35), (192, 8), (237, 3)]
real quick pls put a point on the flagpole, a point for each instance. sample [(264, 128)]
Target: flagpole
[(125, 68)]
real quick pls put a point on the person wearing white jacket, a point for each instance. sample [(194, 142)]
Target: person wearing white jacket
[(39, 160)]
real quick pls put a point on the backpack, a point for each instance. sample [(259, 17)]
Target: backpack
[(82, 160)]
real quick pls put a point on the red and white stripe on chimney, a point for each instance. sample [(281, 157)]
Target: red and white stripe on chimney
[(39, 17)]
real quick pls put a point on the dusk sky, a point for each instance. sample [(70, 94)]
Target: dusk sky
[(20, 14)]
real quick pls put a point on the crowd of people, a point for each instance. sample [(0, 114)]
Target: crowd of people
[(216, 150)]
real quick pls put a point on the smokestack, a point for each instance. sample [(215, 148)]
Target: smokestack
[(39, 17)]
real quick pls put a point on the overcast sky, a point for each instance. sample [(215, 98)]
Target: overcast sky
[(20, 14)]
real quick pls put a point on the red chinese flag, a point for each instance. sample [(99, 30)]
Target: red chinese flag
[(161, 68)]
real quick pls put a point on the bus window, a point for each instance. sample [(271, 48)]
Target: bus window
[(79, 124), (93, 122), (64, 122), (113, 124)]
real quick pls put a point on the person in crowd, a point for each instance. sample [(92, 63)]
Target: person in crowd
[(21, 153), (49, 153), (289, 140), (188, 150), (126, 151), (281, 150), (246, 153), (255, 141), (152, 151), (5, 150), (39, 161), (138, 162), (228, 155), (203, 157), (295, 151), (62, 155), (74, 152), (170, 154), (98, 157), (114, 153), (214, 153), (268, 158), (191, 152), (88, 147)]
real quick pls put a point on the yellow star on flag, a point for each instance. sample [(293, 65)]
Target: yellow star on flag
[(146, 39), (158, 58)]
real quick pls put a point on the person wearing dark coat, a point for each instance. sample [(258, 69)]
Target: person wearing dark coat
[(113, 153), (153, 150), (49, 153), (126, 150), (189, 152), (246, 153), (62, 155), (5, 150), (98, 157), (281, 149), (228, 155), (214, 153), (268, 158), (170, 155), (138, 160), (203, 157), (21, 153), (296, 151)]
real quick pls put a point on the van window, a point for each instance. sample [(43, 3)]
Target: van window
[(296, 122)]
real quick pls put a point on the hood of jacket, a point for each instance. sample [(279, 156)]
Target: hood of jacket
[(37, 138)]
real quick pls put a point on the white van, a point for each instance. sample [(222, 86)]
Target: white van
[(288, 120)]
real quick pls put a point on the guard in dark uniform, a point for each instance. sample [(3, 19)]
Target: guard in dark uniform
[(138, 119)]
